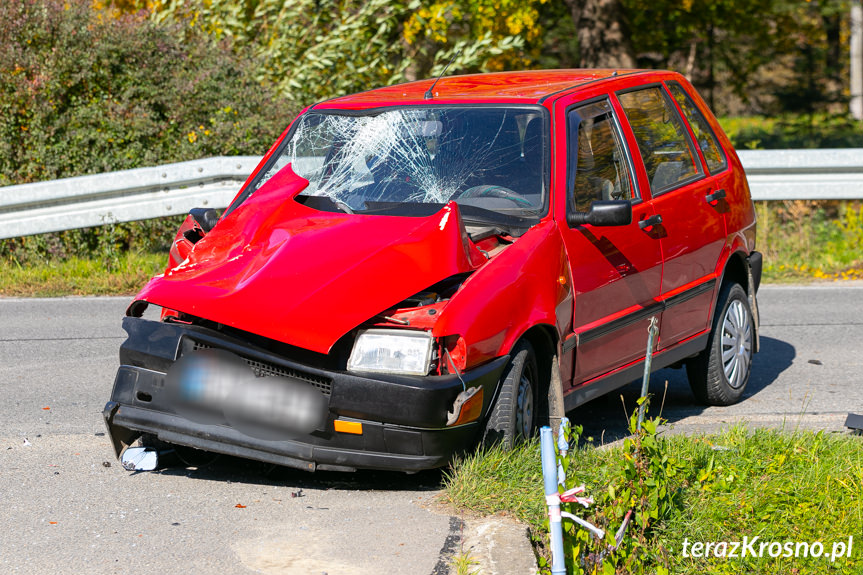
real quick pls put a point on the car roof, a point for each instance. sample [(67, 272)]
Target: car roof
[(528, 87)]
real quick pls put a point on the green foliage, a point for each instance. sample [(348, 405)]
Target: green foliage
[(645, 481), (80, 276), (312, 50), (82, 92), (494, 479), (811, 240), (779, 485), (792, 486), (774, 56), (107, 244), (794, 132)]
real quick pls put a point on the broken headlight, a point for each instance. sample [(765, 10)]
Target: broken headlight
[(392, 351)]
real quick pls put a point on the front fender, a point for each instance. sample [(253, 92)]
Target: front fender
[(528, 284)]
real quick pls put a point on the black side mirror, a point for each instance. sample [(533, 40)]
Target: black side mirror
[(603, 213), (206, 218)]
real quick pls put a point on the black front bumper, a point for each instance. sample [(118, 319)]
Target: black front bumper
[(403, 417)]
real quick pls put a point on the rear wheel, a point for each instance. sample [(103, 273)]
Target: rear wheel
[(514, 415), (719, 374)]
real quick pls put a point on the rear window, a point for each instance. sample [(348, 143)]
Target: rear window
[(706, 139), (666, 150)]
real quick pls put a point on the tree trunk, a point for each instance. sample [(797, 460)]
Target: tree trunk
[(857, 60), (603, 39)]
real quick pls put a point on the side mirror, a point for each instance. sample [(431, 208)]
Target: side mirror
[(206, 218), (603, 213)]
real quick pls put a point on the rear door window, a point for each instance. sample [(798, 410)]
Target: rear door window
[(710, 148), (668, 154)]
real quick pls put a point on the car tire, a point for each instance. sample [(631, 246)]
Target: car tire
[(513, 418), (719, 374)]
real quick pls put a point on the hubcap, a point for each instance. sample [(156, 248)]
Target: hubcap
[(736, 344), (524, 407)]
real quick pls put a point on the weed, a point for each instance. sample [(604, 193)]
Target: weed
[(777, 485), (464, 564), (811, 240)]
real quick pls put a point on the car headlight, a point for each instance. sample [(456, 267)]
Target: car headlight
[(392, 351)]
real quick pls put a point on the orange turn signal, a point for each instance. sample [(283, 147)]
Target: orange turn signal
[(342, 426), (469, 409)]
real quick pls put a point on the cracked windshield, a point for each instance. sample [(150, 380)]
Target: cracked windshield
[(397, 161)]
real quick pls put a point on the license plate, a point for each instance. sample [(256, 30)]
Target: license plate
[(213, 386)]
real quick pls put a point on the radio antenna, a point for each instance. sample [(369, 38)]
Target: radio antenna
[(428, 94)]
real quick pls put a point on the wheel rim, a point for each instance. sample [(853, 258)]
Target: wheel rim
[(524, 405), (736, 344)]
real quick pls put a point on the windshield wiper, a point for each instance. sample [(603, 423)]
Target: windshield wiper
[(514, 224)]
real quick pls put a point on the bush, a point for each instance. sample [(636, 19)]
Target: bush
[(85, 91), (803, 131)]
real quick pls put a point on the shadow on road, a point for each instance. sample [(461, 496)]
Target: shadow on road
[(605, 419), (229, 469)]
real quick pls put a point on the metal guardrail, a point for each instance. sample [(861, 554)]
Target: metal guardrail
[(829, 174), (172, 189), (124, 196)]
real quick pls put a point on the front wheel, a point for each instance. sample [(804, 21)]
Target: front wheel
[(719, 374), (514, 415)]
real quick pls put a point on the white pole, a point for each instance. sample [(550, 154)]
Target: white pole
[(857, 60)]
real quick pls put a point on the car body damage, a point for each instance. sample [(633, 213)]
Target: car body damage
[(403, 276), (272, 247)]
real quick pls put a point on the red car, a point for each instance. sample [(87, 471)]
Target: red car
[(416, 268)]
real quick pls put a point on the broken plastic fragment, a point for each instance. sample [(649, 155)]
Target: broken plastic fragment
[(240, 506)]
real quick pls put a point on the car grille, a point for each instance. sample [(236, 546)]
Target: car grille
[(264, 369)]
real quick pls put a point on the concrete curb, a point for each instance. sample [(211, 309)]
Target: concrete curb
[(500, 546)]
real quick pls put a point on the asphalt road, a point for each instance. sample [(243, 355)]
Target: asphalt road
[(66, 506)]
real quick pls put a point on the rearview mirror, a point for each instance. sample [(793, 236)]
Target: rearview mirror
[(603, 213), (205, 217)]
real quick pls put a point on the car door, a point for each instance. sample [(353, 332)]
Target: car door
[(692, 229), (616, 270)]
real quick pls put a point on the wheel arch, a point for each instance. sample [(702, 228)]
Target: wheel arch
[(737, 270), (543, 338)]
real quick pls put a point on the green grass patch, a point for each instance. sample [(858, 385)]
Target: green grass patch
[(124, 274), (807, 240), (779, 486)]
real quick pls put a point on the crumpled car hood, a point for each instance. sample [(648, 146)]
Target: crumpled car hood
[(281, 270)]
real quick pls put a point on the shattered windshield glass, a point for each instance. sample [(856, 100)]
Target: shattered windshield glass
[(487, 157)]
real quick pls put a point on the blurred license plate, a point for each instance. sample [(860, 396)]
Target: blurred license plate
[(215, 386)]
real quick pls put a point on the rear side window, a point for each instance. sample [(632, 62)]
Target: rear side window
[(666, 150), (596, 153), (710, 148)]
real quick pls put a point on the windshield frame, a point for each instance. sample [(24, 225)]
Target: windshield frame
[(538, 214)]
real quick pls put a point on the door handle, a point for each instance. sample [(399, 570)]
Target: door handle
[(717, 195), (648, 223)]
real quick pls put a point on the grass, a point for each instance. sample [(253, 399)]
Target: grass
[(124, 274), (780, 486), (807, 240), (464, 564)]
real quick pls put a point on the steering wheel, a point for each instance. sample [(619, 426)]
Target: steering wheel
[(494, 192)]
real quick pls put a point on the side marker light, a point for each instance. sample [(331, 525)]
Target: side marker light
[(353, 427)]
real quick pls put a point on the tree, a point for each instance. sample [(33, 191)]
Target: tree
[(312, 50), (603, 37)]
